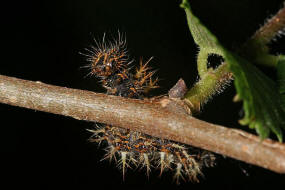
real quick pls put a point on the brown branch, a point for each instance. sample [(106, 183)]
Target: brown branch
[(256, 48), (160, 117), (273, 27)]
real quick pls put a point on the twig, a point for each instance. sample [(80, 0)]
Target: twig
[(160, 117), (256, 48), (273, 27), (213, 82)]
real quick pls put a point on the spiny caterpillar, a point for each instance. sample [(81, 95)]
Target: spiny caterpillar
[(109, 62)]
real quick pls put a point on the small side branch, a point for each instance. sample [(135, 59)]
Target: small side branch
[(256, 48), (213, 82), (163, 117), (273, 27)]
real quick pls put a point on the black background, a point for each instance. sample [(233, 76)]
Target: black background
[(41, 41)]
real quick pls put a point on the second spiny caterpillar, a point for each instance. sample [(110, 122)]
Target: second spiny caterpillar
[(109, 62)]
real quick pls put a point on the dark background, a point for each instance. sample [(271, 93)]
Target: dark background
[(41, 41)]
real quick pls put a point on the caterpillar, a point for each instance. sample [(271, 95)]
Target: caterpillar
[(110, 63)]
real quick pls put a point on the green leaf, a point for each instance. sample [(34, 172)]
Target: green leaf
[(207, 42), (261, 99)]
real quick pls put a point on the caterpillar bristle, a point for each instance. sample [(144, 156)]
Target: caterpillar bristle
[(178, 173), (123, 162), (111, 153), (144, 159), (110, 63)]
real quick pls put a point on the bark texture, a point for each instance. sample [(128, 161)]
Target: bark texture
[(161, 117)]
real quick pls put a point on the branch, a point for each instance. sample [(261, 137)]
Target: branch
[(273, 27), (256, 48), (161, 117)]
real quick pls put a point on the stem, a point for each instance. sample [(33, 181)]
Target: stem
[(202, 63), (256, 49), (270, 29), (212, 82), (159, 117)]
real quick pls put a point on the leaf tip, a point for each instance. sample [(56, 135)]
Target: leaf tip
[(185, 4)]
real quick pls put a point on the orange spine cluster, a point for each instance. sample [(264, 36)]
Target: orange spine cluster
[(110, 63)]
